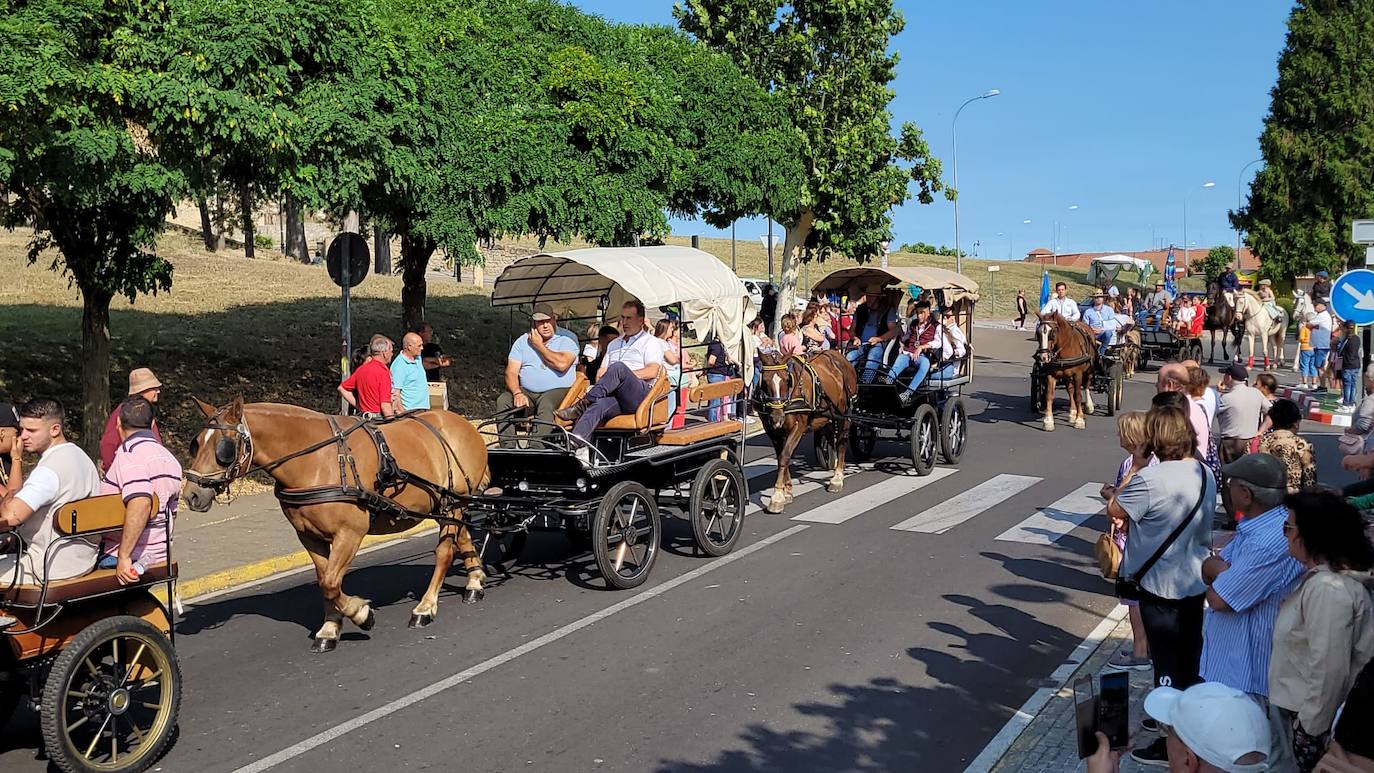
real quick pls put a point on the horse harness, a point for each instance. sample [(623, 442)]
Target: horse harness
[(1090, 344), (235, 456), (808, 383)]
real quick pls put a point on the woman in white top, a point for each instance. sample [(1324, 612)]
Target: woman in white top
[(955, 346)]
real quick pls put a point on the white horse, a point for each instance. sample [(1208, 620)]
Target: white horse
[(1259, 324), (1302, 306)]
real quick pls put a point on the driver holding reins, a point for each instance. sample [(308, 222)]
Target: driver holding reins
[(875, 323)]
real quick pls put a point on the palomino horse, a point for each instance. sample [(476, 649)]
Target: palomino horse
[(329, 472), (1067, 351), (1259, 324), (1222, 318), (805, 394)]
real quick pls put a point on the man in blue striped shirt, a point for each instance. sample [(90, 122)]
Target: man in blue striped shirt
[(1248, 582)]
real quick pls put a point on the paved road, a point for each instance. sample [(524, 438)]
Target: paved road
[(830, 639)]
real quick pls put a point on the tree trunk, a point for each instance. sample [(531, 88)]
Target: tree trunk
[(95, 367), (207, 225), (381, 251), (295, 231), (797, 234), (415, 255), (221, 218), (246, 211)]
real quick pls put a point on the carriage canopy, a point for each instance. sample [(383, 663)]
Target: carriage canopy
[(578, 283), (956, 286)]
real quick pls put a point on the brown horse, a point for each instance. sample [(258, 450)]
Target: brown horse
[(1222, 319), (1067, 352), (328, 470), (804, 394)]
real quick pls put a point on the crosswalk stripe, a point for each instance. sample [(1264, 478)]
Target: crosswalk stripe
[(1051, 523), (804, 484), (877, 495), (954, 511)]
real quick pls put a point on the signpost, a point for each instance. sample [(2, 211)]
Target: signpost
[(1361, 232), (992, 290), (347, 261)]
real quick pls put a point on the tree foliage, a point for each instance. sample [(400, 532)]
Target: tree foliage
[(1218, 258), (830, 64), (921, 248), (1318, 143)]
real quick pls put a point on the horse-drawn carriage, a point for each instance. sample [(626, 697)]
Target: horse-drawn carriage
[(93, 656), (1165, 345), (640, 463), (935, 421)]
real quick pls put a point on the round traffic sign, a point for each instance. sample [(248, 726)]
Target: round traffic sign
[(355, 246), (1352, 296)]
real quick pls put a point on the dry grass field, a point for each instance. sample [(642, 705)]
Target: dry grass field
[(268, 329)]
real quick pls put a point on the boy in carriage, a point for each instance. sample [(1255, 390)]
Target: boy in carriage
[(924, 342)]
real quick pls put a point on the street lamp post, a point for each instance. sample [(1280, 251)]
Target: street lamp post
[(1186, 265), (959, 256), (1240, 195)]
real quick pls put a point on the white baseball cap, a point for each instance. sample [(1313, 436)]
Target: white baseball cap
[(1220, 724)]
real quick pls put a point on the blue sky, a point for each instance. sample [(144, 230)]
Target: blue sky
[(1117, 108)]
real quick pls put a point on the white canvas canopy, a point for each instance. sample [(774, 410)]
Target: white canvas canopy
[(580, 282), (956, 286), (1108, 266)]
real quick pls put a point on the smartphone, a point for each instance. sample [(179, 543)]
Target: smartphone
[(1085, 716), (1113, 708)]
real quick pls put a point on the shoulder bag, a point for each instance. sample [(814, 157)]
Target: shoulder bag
[(1128, 588), (1108, 555)]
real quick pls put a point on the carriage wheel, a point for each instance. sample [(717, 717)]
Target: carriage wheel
[(716, 507), (1037, 394), (925, 439), (1114, 388), (862, 440), (110, 701), (625, 535), (953, 430), (500, 550), (823, 447), (1194, 350)]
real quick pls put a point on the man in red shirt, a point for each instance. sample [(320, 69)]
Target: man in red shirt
[(368, 389), (142, 383)]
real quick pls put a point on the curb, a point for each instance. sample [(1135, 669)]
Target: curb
[(238, 576), (1312, 407)]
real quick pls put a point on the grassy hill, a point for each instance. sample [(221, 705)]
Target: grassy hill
[(268, 329)]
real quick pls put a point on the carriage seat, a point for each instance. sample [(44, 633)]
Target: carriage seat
[(94, 583), (579, 388), (652, 414), (701, 431)]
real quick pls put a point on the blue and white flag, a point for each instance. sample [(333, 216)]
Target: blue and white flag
[(1170, 268), (1044, 289)]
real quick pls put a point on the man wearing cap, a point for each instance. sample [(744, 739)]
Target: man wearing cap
[(1249, 580), (409, 387), (1060, 303), (1213, 728), (63, 474), (1240, 409), (1322, 287), (1319, 339), (11, 452), (1228, 281), (142, 383), (1157, 303), (539, 370)]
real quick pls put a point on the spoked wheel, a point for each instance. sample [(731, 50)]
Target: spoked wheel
[(823, 447), (1194, 350), (862, 440), (925, 439), (1038, 385), (1114, 389), (716, 507), (953, 430), (111, 699), (500, 549), (625, 535)]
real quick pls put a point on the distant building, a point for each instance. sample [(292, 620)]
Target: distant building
[(1081, 260)]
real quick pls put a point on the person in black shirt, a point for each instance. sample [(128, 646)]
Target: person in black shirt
[(594, 351), (431, 356), (768, 307), (1321, 289), (1351, 741)]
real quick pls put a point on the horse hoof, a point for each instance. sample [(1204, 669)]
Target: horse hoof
[(773, 509), (834, 488), (322, 646), (473, 595), (1080, 424), (371, 620), (1047, 427), (421, 621)]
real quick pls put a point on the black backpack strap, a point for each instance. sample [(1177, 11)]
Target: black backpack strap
[(1178, 530)]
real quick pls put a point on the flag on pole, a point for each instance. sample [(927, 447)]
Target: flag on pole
[(1170, 269), (1044, 289)]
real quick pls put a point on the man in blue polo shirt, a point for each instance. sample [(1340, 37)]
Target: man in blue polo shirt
[(1248, 582), (539, 371), (408, 383)]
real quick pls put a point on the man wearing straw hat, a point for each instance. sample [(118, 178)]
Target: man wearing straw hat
[(142, 383)]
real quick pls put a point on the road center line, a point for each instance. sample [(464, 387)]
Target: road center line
[(954, 511), (384, 711)]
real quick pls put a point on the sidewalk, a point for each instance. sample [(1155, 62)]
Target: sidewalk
[(245, 540)]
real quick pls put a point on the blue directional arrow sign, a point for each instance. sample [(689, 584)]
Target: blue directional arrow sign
[(1352, 296)]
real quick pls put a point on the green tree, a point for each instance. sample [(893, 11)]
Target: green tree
[(830, 64), (1218, 258), (1318, 143), (79, 167)]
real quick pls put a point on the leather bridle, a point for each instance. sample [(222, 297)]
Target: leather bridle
[(243, 456)]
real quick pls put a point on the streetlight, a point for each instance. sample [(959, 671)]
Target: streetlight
[(1054, 236), (959, 256), (1240, 183), (1186, 265)]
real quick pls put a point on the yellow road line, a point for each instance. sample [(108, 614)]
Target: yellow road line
[(256, 570)]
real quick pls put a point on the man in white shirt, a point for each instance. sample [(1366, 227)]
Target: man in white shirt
[(63, 474), (627, 373), (1062, 304)]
